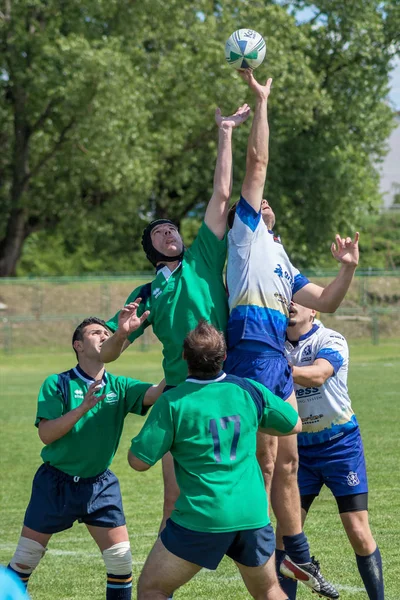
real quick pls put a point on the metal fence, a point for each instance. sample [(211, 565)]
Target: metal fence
[(42, 312)]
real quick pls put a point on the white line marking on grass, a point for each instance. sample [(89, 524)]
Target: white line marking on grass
[(352, 589)]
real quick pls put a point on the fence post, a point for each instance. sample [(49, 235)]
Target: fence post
[(105, 301), (7, 329), (375, 328)]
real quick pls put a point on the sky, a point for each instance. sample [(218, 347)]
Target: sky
[(395, 87)]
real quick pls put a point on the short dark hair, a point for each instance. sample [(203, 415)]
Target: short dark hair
[(78, 333), (204, 350), (231, 214)]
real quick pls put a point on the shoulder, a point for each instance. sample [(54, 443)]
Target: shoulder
[(331, 336), (142, 291)]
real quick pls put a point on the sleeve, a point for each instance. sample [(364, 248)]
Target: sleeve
[(144, 292), (334, 349), (157, 434), (277, 413), (135, 392), (208, 248), (246, 223), (50, 401)]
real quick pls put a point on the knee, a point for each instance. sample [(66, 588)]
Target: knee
[(361, 540), (287, 467), (27, 555), (267, 463), (118, 559), (147, 590)]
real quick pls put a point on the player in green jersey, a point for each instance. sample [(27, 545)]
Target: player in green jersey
[(189, 283), (209, 423), (80, 417)]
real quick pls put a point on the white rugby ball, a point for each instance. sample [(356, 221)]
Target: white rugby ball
[(245, 49)]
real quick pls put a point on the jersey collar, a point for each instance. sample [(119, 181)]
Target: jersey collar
[(166, 271), (221, 375), (309, 333), (86, 378)]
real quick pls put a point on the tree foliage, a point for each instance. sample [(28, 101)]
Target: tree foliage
[(106, 113)]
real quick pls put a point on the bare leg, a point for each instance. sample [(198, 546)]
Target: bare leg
[(171, 489), (356, 525), (106, 537), (262, 581), (41, 538), (163, 573), (267, 449), (285, 496)]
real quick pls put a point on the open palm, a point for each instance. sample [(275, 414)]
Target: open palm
[(345, 250), (128, 319), (239, 117)]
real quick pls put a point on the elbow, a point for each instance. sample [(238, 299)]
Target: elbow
[(44, 438), (104, 356), (136, 464), (299, 426)]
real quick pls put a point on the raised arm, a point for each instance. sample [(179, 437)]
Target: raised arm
[(217, 209), (128, 322), (257, 147), (328, 299)]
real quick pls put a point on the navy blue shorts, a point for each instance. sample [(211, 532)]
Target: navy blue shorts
[(59, 499), (339, 464), (250, 547), (270, 369)]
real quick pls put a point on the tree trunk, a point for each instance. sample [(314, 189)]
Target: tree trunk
[(12, 243)]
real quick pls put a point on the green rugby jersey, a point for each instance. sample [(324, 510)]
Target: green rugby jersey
[(89, 447), (178, 300), (210, 428)]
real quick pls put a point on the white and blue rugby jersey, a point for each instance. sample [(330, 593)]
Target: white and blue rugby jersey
[(261, 282), (325, 411)]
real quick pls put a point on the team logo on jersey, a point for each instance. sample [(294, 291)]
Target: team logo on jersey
[(156, 292), (111, 398), (277, 239), (306, 354), (284, 274), (352, 479), (78, 394)]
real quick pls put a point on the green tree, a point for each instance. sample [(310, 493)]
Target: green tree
[(117, 117)]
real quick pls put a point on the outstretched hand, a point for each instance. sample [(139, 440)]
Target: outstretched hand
[(239, 117), (345, 250), (128, 320), (91, 399), (262, 91)]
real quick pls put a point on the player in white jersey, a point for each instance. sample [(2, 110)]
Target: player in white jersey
[(330, 445), (261, 284)]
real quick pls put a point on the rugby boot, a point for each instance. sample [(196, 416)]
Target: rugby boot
[(309, 574)]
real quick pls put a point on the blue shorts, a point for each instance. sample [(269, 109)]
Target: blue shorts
[(250, 547), (58, 500), (339, 464), (269, 368)]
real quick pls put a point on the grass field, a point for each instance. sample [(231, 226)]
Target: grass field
[(73, 568)]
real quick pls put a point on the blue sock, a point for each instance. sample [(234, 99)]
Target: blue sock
[(370, 568), (23, 577), (289, 586), (297, 548), (119, 587)]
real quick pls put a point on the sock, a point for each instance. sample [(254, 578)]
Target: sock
[(370, 568), (23, 577), (289, 586), (297, 548), (119, 587)]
